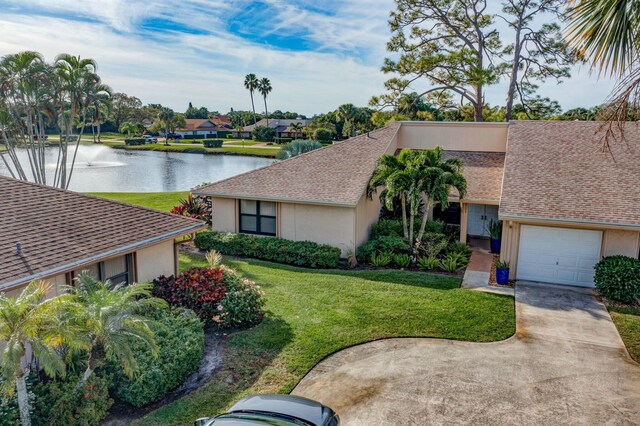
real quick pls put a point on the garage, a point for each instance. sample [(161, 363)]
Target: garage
[(558, 255)]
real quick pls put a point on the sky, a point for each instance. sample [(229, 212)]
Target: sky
[(317, 54)]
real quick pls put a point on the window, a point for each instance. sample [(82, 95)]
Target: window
[(117, 270), (257, 217)]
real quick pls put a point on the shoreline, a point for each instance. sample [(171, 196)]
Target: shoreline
[(266, 153)]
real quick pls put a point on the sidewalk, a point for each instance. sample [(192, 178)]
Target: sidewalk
[(478, 272)]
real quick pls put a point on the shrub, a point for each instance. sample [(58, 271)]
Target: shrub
[(432, 244), (213, 143), (322, 135), (180, 339), (296, 148), (192, 137), (284, 140), (403, 260), (618, 278), (264, 134), (196, 207), (385, 243), (451, 263), (134, 141), (217, 295), (57, 404), (428, 263), (460, 248), (381, 259), (386, 227), (300, 253)]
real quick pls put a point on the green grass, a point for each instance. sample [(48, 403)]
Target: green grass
[(259, 152), (312, 313), (239, 142), (627, 320), (163, 201)]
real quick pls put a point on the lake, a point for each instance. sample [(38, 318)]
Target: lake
[(103, 169)]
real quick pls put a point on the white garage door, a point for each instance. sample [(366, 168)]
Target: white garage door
[(558, 255)]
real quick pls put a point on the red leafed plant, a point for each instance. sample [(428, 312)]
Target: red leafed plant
[(217, 295), (196, 207)]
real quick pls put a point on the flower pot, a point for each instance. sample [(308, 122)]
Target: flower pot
[(495, 245), (502, 276)]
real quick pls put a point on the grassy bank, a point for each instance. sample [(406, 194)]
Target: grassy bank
[(163, 201), (312, 313), (627, 320), (191, 149)]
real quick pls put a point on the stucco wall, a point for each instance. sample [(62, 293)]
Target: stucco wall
[(224, 215), (490, 137), (323, 224), (622, 242), (155, 261), (367, 213)]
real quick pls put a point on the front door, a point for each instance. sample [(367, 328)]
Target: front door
[(479, 217)]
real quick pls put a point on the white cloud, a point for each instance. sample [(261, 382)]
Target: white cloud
[(208, 68)]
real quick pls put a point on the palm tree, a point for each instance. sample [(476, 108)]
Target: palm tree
[(129, 128), (251, 84), (437, 178), (30, 326), (296, 127), (112, 318), (606, 33), (99, 95), (166, 115), (346, 113), (264, 87)]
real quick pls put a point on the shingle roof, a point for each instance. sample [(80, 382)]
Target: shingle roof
[(277, 122), (556, 170), (483, 172), (337, 174), (58, 228)]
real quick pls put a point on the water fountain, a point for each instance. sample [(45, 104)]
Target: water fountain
[(92, 156)]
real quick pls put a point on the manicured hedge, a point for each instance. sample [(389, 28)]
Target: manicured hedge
[(284, 140), (213, 143), (618, 278), (299, 253), (135, 141)]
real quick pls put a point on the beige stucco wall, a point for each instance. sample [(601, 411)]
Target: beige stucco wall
[(616, 241), (323, 224), (155, 260), (367, 213), (224, 216), (490, 137)]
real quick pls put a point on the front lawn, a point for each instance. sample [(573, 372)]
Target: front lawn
[(163, 201), (313, 313), (627, 320), (195, 149)]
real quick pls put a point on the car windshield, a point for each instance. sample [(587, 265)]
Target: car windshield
[(272, 419)]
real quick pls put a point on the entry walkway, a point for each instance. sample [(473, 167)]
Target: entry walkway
[(565, 365), (478, 272)]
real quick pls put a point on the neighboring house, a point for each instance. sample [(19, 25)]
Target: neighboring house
[(282, 126), (210, 127), (53, 234), (564, 204)]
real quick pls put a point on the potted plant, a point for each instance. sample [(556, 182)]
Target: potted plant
[(495, 233), (502, 272)]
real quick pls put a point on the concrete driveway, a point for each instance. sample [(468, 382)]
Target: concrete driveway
[(565, 365)]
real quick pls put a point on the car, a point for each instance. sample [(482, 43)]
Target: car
[(281, 410), (36, 137), (150, 139), (173, 136)]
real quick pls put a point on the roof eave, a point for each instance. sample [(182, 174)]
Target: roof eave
[(568, 221), (276, 199)]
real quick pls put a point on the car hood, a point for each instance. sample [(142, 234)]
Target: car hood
[(294, 406)]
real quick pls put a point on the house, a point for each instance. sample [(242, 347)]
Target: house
[(209, 127), (53, 234), (564, 204), (282, 126)]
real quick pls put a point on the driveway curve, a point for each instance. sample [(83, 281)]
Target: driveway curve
[(565, 365)]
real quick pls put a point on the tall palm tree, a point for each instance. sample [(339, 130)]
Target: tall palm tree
[(264, 87), (347, 113), (251, 84), (437, 178), (166, 115), (30, 326), (99, 100), (112, 317), (296, 127), (607, 34)]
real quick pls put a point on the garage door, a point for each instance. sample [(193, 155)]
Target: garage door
[(558, 255)]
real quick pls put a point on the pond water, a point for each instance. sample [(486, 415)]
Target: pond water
[(103, 169)]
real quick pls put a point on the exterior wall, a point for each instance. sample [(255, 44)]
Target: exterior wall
[(487, 137), (614, 241), (224, 217), (56, 287), (323, 224), (367, 213), (156, 260)]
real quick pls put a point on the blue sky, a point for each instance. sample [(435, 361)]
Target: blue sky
[(318, 54)]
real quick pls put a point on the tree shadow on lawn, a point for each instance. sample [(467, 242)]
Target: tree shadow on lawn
[(245, 356)]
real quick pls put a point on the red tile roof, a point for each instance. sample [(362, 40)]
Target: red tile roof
[(58, 229)]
